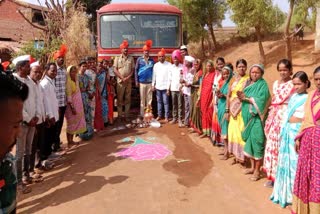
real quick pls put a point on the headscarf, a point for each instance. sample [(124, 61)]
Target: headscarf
[(260, 66), (228, 68), (205, 66), (224, 88), (176, 54), (189, 59), (71, 86), (60, 53), (162, 52), (147, 45), (124, 44)]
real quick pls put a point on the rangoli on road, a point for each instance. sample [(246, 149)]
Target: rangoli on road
[(142, 150)]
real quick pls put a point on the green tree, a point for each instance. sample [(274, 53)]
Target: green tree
[(198, 14), (301, 9), (257, 14), (305, 13)]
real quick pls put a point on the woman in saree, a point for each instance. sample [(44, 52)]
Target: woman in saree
[(206, 99), (222, 103), (254, 100), (287, 161), (84, 85), (111, 90), (306, 191), (281, 93), (99, 114), (195, 119), (102, 84), (237, 83), (76, 123)]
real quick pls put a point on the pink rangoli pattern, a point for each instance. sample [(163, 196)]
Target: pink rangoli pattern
[(145, 151)]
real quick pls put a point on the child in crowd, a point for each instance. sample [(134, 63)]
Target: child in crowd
[(186, 89)]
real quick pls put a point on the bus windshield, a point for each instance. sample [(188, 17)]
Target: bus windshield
[(163, 30)]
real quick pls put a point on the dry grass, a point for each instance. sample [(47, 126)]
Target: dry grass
[(77, 37)]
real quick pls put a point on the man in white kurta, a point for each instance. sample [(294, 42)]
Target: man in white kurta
[(160, 83), (30, 119), (51, 108)]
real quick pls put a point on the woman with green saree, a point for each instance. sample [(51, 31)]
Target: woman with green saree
[(222, 110), (254, 99)]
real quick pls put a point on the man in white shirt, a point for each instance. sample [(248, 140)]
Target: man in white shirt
[(160, 83), (38, 140), (51, 108), (175, 75), (30, 119), (186, 90)]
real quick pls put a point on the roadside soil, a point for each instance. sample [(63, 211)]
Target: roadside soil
[(91, 179)]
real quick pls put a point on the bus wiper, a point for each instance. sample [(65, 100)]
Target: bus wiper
[(130, 23)]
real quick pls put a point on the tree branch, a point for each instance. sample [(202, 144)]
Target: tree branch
[(34, 25)]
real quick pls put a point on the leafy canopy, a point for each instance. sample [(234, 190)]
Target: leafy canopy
[(256, 13), (200, 13)]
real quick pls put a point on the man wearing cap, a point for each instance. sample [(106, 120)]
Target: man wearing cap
[(183, 51), (124, 68), (12, 95), (31, 117), (160, 83), (143, 77), (186, 90), (60, 84), (38, 140)]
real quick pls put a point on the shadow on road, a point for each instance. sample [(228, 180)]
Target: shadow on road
[(74, 175)]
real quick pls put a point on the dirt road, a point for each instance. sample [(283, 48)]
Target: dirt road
[(92, 179)]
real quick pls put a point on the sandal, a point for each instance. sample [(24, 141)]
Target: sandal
[(248, 171), (242, 165), (38, 180), (255, 177), (203, 136), (191, 130), (224, 157), (233, 162), (24, 189), (268, 184)]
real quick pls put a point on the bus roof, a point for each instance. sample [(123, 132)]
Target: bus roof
[(138, 7)]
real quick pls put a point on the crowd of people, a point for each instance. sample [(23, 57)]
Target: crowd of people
[(277, 132)]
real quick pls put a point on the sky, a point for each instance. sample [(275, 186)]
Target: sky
[(283, 5)]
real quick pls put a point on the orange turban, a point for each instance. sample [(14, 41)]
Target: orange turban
[(147, 46), (162, 52), (124, 44), (5, 65), (60, 53)]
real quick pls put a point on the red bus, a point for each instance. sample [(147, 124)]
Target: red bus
[(138, 22)]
